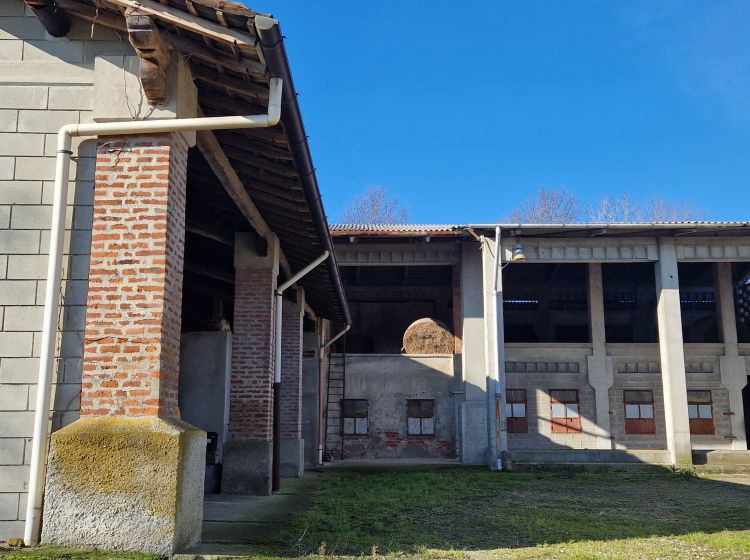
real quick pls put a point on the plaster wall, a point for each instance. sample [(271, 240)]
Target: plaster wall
[(310, 396), (205, 371), (406, 377)]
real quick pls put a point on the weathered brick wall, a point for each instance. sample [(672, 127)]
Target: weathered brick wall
[(291, 372), (45, 82), (251, 395), (132, 339)]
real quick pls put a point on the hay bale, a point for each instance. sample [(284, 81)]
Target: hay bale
[(428, 336)]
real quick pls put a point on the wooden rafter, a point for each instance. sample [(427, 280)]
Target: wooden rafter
[(196, 24), (222, 168)]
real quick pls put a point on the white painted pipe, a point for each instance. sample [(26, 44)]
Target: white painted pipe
[(341, 333), (54, 265), (279, 294), (278, 325)]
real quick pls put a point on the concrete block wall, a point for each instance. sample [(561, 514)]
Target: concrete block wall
[(539, 370), (45, 82), (703, 373)]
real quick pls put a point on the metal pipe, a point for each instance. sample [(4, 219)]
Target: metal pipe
[(491, 341), (278, 326), (341, 333), (54, 266), (499, 356)]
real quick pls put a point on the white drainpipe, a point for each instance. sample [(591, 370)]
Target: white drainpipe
[(54, 266), (276, 466), (496, 427)]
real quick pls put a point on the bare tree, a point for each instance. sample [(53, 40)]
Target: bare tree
[(548, 206), (375, 206), (627, 208), (559, 206)]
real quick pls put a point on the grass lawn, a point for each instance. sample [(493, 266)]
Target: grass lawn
[(474, 514)]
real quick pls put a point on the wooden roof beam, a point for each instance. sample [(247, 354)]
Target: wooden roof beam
[(222, 168), (153, 52), (172, 16)]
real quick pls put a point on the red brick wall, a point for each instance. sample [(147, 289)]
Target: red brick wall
[(291, 372), (251, 396), (131, 346)]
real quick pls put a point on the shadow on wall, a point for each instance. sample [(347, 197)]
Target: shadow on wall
[(74, 290)]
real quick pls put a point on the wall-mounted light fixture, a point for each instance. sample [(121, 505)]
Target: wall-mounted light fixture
[(518, 254)]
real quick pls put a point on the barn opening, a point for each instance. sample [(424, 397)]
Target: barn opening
[(385, 300)]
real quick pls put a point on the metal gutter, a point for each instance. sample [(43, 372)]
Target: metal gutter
[(272, 46)]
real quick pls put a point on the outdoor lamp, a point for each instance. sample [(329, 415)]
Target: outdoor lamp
[(518, 254)]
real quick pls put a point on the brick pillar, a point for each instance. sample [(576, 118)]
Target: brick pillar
[(248, 453), (132, 341), (128, 462), (292, 444)]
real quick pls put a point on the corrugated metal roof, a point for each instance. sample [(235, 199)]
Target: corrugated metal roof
[(569, 229), (411, 228)]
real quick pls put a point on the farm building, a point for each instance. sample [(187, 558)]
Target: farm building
[(177, 319), (164, 263), (582, 343)]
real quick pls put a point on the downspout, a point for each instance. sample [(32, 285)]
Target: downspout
[(498, 400), (276, 465), (272, 45), (490, 352), (54, 265)]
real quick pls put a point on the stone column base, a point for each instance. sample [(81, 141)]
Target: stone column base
[(125, 484), (292, 457), (246, 468)]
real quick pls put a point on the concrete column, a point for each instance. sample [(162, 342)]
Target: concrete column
[(292, 444), (671, 350), (600, 367), (733, 366), (129, 462), (248, 453), (472, 417)]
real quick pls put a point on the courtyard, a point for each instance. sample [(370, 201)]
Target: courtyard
[(464, 512)]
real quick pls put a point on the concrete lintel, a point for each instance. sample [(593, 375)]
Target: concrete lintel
[(119, 95), (252, 252)]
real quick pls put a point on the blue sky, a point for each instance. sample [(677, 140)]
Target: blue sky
[(463, 109)]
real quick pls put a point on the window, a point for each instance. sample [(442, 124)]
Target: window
[(355, 416), (700, 413), (565, 417), (515, 411), (421, 417), (639, 412)]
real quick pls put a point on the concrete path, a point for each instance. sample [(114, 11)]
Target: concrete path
[(234, 526)]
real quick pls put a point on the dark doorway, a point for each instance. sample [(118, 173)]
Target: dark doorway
[(746, 408)]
